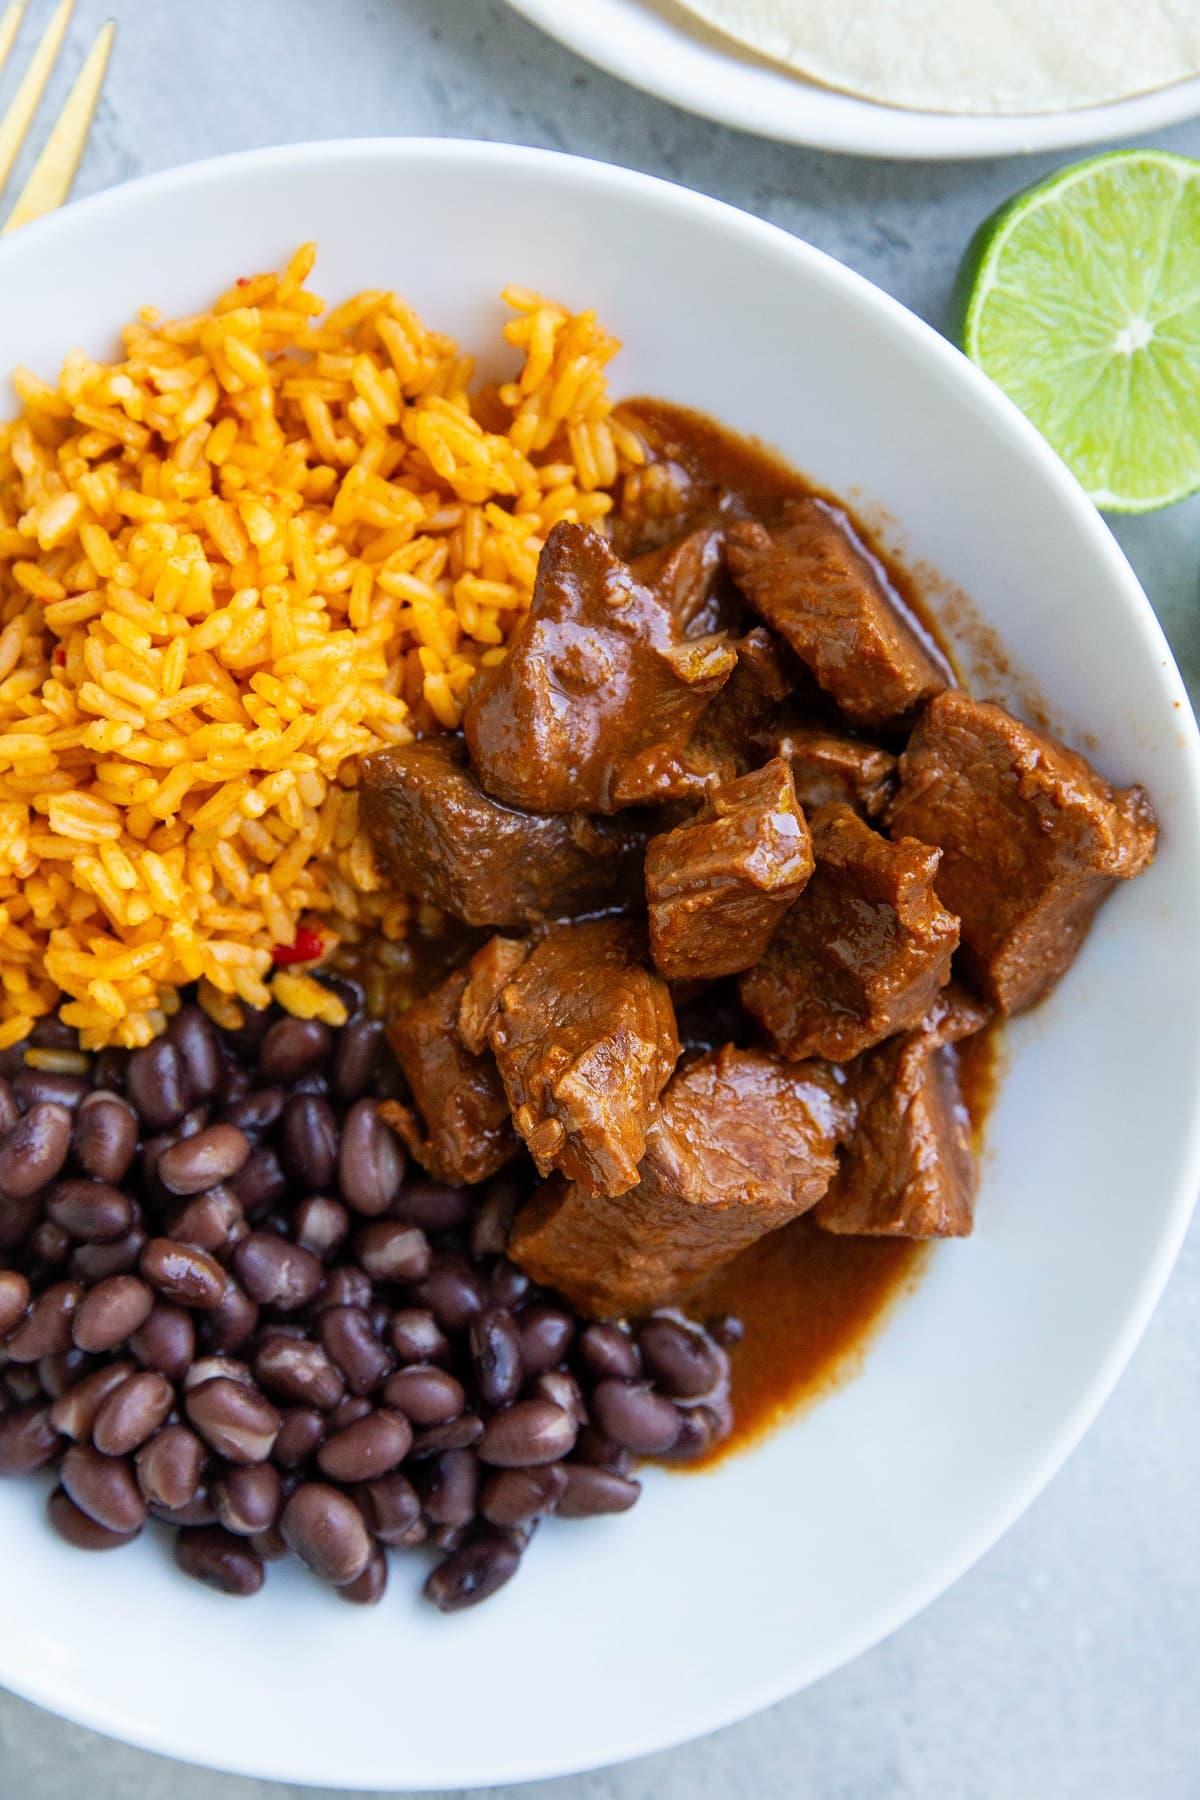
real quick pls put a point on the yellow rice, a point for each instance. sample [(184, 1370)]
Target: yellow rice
[(260, 545)]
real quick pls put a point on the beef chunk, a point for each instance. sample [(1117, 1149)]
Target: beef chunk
[(820, 589), (743, 1144), (488, 974), (716, 889), (585, 1038), (447, 842), (863, 951), (599, 691), (730, 737), (827, 768), (458, 1125), (689, 577), (910, 1168), (1032, 839)]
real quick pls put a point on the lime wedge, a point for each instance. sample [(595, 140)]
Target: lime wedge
[(1080, 297)]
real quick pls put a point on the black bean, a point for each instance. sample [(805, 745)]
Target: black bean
[(34, 1150), (433, 1205), (109, 1068), (248, 1498), (547, 1333), (74, 1412), (457, 1434), (591, 1491), (14, 1300), (492, 1223), (110, 1312), (452, 1291), (231, 1322), (347, 1285), (321, 1225), (416, 1336), (237, 1421), (219, 1560), (167, 1341), (370, 1161), (608, 1351), (28, 1440), (472, 1574), (182, 1273), (58, 1374), (293, 1047), (199, 1510), (355, 1057), (46, 1328), (679, 1359), (324, 1528), (47, 1251), (390, 1251), (90, 1211), (199, 1162), (81, 1531), (269, 1544), (103, 1487), (561, 1387), (132, 1413), (351, 1342), (41, 1087), (426, 1395), (10, 1112), (169, 1467), (632, 1414), (105, 1136), (276, 1273), (260, 1183), (217, 1368), (116, 1256), (531, 1432), (300, 1435), (699, 1430), (348, 1411), (393, 1507), (53, 1033), (367, 1449), (195, 1037), (297, 1371), (507, 1286), (256, 1112), (449, 1485), (18, 1218), (308, 1144), (496, 1357), (156, 1083), (514, 1496), (368, 1588), (209, 1220)]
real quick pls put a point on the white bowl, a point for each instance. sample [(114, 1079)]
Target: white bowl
[(723, 1592), (665, 50)]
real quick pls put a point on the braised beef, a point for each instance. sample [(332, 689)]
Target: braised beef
[(451, 845), (599, 692), (458, 1125), (816, 585), (689, 577), (1032, 840), (827, 767), (584, 1035), (910, 1168), (717, 888), (742, 1144), (862, 952)]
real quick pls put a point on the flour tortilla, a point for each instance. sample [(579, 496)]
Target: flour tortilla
[(972, 56)]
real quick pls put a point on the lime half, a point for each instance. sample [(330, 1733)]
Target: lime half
[(1080, 297)]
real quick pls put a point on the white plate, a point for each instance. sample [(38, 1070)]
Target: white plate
[(665, 50), (719, 1593)]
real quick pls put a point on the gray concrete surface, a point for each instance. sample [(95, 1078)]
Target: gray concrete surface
[(1067, 1665)]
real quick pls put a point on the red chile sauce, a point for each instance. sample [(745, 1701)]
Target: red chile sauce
[(808, 1300)]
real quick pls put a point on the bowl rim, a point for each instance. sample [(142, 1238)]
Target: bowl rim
[(803, 261), (751, 93)]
